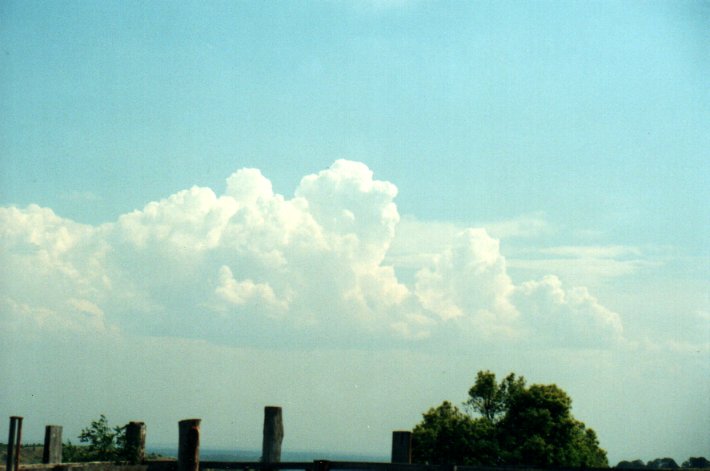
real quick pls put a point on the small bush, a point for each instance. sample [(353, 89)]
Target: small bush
[(103, 443)]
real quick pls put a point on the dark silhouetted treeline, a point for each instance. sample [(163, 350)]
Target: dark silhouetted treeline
[(666, 463)]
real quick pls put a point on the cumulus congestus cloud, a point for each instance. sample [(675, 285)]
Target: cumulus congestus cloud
[(251, 265)]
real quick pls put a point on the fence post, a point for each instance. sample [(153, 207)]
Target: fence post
[(13, 444), (402, 447), (135, 442), (52, 452), (273, 435), (189, 445)]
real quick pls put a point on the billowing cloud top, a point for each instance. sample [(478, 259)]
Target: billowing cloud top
[(251, 266)]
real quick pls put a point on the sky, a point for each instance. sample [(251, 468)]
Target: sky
[(348, 209)]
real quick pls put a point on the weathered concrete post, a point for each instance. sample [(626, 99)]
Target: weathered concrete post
[(135, 442), (402, 447), (13, 444), (273, 435), (52, 452), (189, 445), (11, 437)]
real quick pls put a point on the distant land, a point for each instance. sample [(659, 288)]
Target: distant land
[(228, 454), (32, 453)]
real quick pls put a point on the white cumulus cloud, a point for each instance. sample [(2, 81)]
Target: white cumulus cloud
[(561, 316), (246, 291), (252, 264)]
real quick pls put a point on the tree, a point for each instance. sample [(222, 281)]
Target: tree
[(443, 435), (585, 448), (696, 462), (449, 436), (518, 425), (635, 464), (103, 443), (662, 463), (489, 399), (539, 429)]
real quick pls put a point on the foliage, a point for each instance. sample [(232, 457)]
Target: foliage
[(696, 462), (662, 463), (508, 424), (72, 453), (699, 462), (438, 436), (490, 399), (103, 443), (635, 464)]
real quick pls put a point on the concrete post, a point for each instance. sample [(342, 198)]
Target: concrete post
[(11, 437), (135, 442), (402, 447), (189, 445), (52, 452), (273, 435), (13, 444)]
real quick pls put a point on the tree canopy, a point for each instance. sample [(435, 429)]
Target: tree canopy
[(696, 462), (507, 423), (103, 443)]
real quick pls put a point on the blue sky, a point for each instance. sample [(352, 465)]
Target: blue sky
[(459, 170)]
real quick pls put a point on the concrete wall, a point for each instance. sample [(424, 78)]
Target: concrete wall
[(157, 465)]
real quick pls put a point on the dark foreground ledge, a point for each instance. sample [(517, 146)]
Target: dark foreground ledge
[(318, 465), (151, 465)]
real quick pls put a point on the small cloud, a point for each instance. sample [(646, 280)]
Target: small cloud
[(581, 269), (87, 307), (73, 316), (610, 251), (525, 226), (584, 263)]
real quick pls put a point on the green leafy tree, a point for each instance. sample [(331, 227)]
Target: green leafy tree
[(102, 443), (538, 427), (485, 396), (517, 425), (490, 399), (443, 436), (585, 450), (448, 436)]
